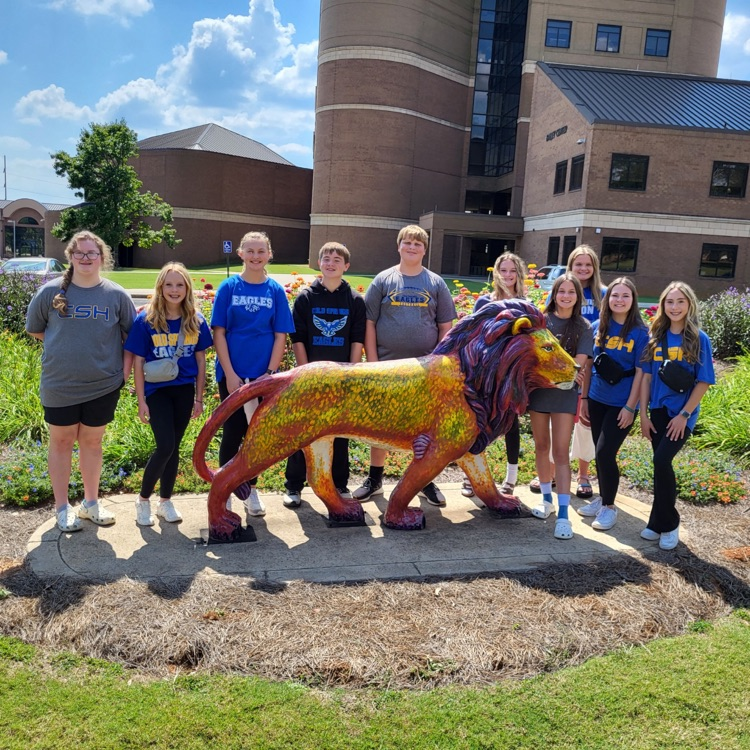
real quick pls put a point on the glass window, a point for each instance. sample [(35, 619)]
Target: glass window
[(718, 261), (570, 241), (619, 254), (628, 172), (558, 34), (553, 251), (729, 179), (561, 173), (608, 38), (576, 172), (657, 42)]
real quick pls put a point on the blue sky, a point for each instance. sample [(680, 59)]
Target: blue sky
[(163, 65)]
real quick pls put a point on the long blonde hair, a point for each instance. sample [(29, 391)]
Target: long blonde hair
[(156, 311), (595, 282), (499, 289), (59, 302), (691, 344)]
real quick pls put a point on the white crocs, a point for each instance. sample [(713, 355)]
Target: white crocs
[(96, 513), (544, 510), (563, 529), (67, 520)]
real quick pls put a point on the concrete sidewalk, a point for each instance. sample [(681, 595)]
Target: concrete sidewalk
[(461, 539)]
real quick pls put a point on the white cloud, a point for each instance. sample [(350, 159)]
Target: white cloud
[(242, 72), (11, 143), (121, 10), (736, 30), (49, 103), (3, 56)]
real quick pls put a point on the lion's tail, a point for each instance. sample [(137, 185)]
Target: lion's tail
[(264, 387)]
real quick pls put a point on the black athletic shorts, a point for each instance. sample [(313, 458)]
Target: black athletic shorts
[(95, 413)]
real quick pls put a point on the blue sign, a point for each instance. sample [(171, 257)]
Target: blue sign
[(227, 246)]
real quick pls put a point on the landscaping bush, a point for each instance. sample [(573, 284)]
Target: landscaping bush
[(725, 317), (16, 291)]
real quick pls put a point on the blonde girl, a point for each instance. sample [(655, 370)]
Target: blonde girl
[(250, 321), (82, 319), (168, 327), (552, 410), (668, 416), (508, 276)]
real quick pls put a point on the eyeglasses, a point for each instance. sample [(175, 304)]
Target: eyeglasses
[(78, 255)]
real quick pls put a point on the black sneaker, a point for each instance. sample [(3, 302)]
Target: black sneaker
[(369, 489), (344, 492), (433, 495)]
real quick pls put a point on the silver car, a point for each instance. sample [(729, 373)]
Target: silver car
[(41, 266), (546, 276)]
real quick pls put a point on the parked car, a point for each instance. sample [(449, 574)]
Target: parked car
[(42, 266), (546, 276)]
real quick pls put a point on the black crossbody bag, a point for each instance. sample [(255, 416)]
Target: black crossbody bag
[(609, 370), (673, 374)]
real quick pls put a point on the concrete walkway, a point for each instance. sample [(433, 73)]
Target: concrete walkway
[(461, 539)]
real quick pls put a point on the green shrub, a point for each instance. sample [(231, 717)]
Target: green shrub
[(725, 414), (21, 413), (725, 317), (16, 291)]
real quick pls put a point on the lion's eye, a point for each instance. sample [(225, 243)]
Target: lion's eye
[(548, 347)]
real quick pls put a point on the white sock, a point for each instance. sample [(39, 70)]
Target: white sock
[(511, 473)]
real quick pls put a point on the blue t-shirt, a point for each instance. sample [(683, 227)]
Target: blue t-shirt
[(661, 394), (251, 314), (145, 341), (627, 353)]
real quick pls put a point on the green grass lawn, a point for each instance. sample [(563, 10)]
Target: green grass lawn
[(143, 278), (682, 693)]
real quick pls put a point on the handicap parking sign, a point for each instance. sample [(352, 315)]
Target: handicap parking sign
[(227, 246)]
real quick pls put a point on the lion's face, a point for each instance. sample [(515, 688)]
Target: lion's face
[(555, 365)]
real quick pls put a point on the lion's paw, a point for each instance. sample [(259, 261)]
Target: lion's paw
[(352, 514), (409, 520), (226, 527), (511, 507)]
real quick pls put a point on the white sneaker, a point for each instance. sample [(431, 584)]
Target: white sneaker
[(606, 518), (166, 510), (590, 509), (254, 505), (344, 492), (292, 499), (143, 515), (67, 520), (96, 513), (544, 510), (649, 535), (670, 539)]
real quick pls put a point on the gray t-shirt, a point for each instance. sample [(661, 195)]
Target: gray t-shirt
[(406, 311), (82, 358)]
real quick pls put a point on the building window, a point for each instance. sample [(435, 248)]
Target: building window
[(558, 34), (718, 261), (619, 254), (628, 172), (576, 172), (570, 241), (729, 179), (553, 251), (561, 174), (608, 38), (657, 43)]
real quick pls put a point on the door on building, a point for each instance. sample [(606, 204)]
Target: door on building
[(484, 253)]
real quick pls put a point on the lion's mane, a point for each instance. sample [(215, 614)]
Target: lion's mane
[(498, 365)]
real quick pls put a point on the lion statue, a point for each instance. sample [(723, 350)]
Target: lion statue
[(447, 406)]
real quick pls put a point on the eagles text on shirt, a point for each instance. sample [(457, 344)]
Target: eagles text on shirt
[(329, 327), (250, 302), (409, 297), (165, 344)]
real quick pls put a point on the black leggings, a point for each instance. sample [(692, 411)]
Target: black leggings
[(296, 467), (233, 432), (513, 442), (169, 408), (664, 516), (608, 438)]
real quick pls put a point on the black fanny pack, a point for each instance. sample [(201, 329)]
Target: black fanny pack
[(609, 370), (673, 374)]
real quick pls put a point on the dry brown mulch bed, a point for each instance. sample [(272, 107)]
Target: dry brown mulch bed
[(384, 634)]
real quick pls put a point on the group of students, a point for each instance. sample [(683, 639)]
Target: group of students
[(406, 311)]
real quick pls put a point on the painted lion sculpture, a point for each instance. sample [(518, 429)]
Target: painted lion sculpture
[(447, 406)]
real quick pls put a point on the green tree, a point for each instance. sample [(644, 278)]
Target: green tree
[(112, 204)]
